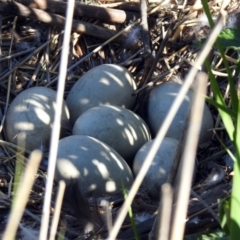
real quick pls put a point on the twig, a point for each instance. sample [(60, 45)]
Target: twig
[(188, 159), (57, 120), (204, 210), (11, 145), (81, 10), (37, 69), (17, 54), (22, 195), (146, 40), (25, 59), (206, 206), (159, 54), (161, 224), (59, 21), (62, 186), (157, 79), (9, 78)]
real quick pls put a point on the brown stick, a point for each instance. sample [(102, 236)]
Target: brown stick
[(59, 21), (146, 41), (81, 10)]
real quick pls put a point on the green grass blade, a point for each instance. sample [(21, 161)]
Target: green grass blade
[(130, 214), (226, 148), (226, 118), (235, 199), (222, 107), (233, 94), (208, 13)]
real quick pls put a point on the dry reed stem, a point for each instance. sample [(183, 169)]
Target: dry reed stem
[(166, 207), (22, 194), (57, 211), (9, 57), (188, 158), (57, 121), (9, 78)]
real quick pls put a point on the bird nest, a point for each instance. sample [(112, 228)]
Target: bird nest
[(164, 44)]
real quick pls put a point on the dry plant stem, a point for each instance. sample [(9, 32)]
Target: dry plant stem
[(94, 51), (47, 56), (57, 119), (230, 59), (215, 156), (57, 211), (174, 171), (204, 210), (131, 57), (131, 62), (206, 206), (188, 160), (45, 71), (163, 130), (224, 5), (145, 39), (108, 215), (34, 76), (11, 145), (161, 226), (59, 21), (38, 219), (82, 10), (9, 78), (17, 54), (159, 54), (157, 79), (22, 194), (27, 233), (27, 58), (186, 60)]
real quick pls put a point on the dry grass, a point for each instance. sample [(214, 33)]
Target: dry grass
[(30, 56)]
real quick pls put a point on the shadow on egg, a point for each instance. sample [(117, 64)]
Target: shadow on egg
[(105, 84), (116, 126), (97, 167), (30, 117)]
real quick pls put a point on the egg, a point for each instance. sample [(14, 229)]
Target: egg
[(118, 127), (160, 101), (30, 117), (97, 167), (105, 84), (161, 166)]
